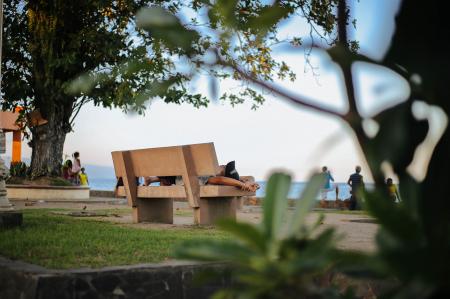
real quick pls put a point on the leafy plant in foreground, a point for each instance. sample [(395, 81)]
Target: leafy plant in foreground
[(278, 258)]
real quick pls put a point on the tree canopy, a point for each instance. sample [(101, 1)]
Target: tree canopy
[(60, 55)]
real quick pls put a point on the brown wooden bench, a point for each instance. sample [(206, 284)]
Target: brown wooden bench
[(155, 203)]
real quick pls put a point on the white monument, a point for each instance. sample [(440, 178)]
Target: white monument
[(9, 217), (5, 205)]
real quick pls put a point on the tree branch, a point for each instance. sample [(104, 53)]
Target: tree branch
[(77, 109), (353, 117), (294, 99), (342, 22)]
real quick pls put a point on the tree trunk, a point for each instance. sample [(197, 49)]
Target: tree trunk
[(48, 144)]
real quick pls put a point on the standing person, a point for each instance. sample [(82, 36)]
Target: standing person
[(392, 190), (328, 186), (76, 167), (356, 182), (84, 181), (67, 170)]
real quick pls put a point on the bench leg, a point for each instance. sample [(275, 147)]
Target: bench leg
[(240, 203), (154, 210), (213, 209)]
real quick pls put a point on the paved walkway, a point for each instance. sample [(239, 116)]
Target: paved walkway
[(357, 231)]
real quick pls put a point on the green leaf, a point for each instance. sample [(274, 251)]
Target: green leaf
[(393, 218), (82, 84), (246, 232), (214, 250), (152, 17), (165, 26), (275, 203), (402, 132), (227, 10), (316, 255), (305, 203), (269, 17)]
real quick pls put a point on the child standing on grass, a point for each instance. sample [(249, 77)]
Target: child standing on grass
[(84, 181)]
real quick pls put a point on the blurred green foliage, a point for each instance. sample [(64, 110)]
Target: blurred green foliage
[(236, 39), (18, 169), (414, 237), (278, 258), (60, 55)]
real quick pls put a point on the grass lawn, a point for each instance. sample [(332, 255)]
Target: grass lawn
[(59, 242)]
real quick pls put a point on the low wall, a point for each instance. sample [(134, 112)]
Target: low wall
[(169, 281), (248, 200), (324, 204), (102, 193), (47, 192)]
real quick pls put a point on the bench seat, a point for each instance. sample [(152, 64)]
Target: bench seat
[(208, 191), (155, 203)]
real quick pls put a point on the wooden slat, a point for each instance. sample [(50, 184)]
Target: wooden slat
[(118, 163), (167, 161), (208, 191), (222, 191), (190, 178), (205, 158), (129, 179), (157, 192), (157, 161)]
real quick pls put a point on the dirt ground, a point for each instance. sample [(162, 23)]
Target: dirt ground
[(355, 231)]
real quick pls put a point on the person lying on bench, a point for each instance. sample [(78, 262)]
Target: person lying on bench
[(227, 175)]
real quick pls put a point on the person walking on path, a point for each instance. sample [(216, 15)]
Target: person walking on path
[(356, 182), (328, 185)]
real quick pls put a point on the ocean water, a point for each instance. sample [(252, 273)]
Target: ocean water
[(108, 184)]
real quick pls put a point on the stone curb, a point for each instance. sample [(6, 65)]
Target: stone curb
[(166, 280)]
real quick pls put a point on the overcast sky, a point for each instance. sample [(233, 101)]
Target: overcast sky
[(277, 135)]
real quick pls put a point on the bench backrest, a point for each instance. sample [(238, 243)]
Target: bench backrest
[(187, 161)]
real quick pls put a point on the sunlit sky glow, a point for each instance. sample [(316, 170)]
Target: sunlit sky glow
[(276, 136)]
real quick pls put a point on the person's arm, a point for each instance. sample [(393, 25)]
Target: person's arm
[(331, 177), (221, 180), (349, 182), (150, 179)]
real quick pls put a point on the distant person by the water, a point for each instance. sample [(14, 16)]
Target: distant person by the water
[(392, 190), (84, 181), (76, 167), (356, 182), (328, 186)]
